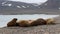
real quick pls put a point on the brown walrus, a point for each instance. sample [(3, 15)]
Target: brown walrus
[(23, 23), (12, 23), (39, 21)]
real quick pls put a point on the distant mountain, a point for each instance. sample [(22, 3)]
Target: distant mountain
[(51, 4), (12, 7), (54, 3), (17, 5)]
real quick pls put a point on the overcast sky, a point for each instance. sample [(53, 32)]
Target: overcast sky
[(31, 1)]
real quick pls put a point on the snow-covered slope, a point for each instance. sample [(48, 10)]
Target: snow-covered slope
[(18, 5)]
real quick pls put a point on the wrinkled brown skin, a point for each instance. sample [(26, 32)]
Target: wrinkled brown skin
[(24, 23), (12, 23), (39, 21)]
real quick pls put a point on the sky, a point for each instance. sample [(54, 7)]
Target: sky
[(30, 1)]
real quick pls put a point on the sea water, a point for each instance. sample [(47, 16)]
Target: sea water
[(4, 19)]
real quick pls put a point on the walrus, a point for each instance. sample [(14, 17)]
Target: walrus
[(12, 23), (39, 21), (23, 23), (50, 21)]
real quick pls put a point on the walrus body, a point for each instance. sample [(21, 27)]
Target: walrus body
[(50, 21), (39, 21), (23, 23)]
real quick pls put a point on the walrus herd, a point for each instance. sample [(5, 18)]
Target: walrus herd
[(28, 23)]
